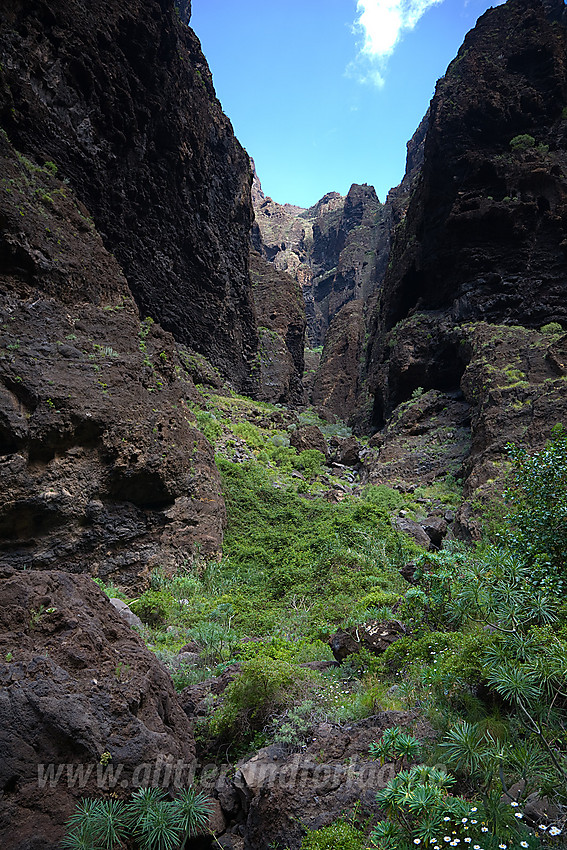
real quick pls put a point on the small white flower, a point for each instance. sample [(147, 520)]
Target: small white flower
[(502, 846), (447, 838), (542, 826), (477, 847), (474, 821), (518, 815), (446, 818), (514, 803), (524, 844), (464, 820), (474, 809), (484, 829), (554, 831), (417, 840)]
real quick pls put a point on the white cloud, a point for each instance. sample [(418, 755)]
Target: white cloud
[(382, 24)]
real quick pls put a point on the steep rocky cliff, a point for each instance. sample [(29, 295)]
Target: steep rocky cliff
[(101, 465), (482, 248), (338, 252), (120, 98), (336, 249), (340, 384), (280, 313)]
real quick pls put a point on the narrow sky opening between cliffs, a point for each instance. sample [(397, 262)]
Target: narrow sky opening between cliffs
[(327, 93)]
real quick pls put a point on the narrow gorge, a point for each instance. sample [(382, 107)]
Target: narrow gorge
[(282, 517)]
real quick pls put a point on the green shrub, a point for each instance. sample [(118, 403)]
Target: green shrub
[(380, 599), (265, 686), (522, 142), (153, 607), (280, 441), (209, 425), (422, 813), (395, 745), (219, 640), (408, 651), (251, 434), (382, 496), (284, 649), (551, 328), (338, 836), (283, 456), (537, 501), (154, 822), (310, 462)]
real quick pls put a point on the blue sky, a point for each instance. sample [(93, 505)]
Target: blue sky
[(326, 93)]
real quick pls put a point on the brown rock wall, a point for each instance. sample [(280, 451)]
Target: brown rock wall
[(101, 465), (120, 97), (280, 314), (77, 683)]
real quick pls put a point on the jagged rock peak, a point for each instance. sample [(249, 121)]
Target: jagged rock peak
[(331, 248)]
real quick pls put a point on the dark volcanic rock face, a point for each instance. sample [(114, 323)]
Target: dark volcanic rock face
[(101, 466), (484, 236), (77, 683), (280, 314), (337, 382), (481, 252), (120, 97), (336, 250)]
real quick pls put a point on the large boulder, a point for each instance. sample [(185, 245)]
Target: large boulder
[(309, 437), (373, 636), (85, 708), (281, 794)]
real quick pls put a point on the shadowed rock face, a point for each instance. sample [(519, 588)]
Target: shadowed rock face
[(102, 467), (77, 682), (120, 97), (280, 313), (485, 233), (479, 261), (337, 382)]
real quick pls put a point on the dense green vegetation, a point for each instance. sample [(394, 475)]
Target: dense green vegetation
[(484, 656), (148, 818)]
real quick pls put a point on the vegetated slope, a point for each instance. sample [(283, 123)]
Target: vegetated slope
[(120, 97), (103, 469), (465, 664), (483, 241)]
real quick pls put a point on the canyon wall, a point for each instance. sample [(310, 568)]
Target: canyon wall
[(121, 99), (473, 304)]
